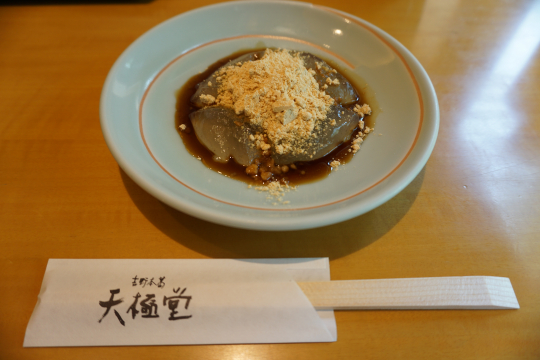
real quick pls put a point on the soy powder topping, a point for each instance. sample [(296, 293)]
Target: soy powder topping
[(279, 95)]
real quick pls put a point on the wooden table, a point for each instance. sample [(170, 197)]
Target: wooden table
[(473, 210)]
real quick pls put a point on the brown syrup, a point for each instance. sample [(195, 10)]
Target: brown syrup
[(305, 171)]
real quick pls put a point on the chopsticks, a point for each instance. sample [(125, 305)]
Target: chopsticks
[(459, 292)]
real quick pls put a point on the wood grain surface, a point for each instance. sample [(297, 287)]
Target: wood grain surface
[(473, 210)]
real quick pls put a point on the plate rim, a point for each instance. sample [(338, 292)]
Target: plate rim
[(295, 223)]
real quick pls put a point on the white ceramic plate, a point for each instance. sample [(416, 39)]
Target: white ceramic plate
[(138, 105)]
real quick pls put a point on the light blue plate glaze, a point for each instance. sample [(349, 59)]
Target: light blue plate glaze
[(138, 105)]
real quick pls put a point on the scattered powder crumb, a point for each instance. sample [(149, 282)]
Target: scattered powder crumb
[(209, 83), (276, 191), (362, 110), (182, 127), (207, 99), (355, 146), (335, 164), (332, 82)]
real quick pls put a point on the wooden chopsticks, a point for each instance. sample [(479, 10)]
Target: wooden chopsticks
[(460, 292)]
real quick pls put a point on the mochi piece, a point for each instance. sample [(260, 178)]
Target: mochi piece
[(335, 84), (217, 129), (336, 130), (225, 134), (210, 85)]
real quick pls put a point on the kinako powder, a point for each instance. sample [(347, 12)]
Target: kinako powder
[(277, 94)]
